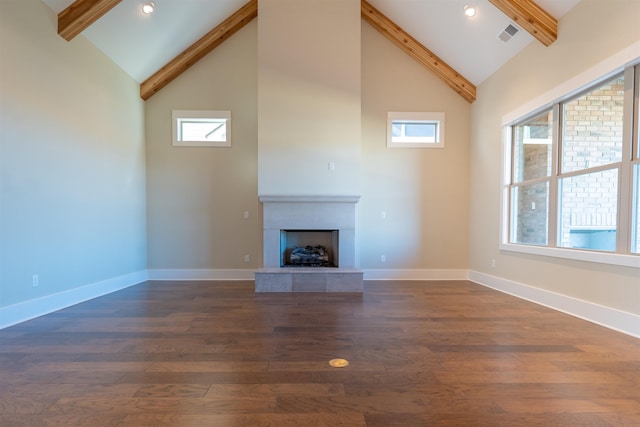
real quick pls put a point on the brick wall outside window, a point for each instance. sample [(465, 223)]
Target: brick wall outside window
[(593, 126)]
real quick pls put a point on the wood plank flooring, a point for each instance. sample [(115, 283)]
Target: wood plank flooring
[(216, 354)]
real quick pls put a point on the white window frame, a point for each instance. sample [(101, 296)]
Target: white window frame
[(436, 118), (215, 116), (599, 73)]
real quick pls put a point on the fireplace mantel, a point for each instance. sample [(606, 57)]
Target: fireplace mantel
[(309, 199), (309, 212)]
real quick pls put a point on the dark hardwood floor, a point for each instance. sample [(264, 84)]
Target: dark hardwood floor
[(216, 354)]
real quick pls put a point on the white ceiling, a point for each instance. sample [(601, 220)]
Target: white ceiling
[(141, 44)]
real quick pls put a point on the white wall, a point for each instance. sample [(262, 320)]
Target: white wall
[(72, 182), (593, 31)]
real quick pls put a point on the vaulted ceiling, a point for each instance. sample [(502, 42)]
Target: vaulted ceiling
[(462, 51)]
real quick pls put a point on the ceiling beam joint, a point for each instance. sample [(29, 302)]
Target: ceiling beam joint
[(80, 14), (531, 17), (417, 51), (199, 49)]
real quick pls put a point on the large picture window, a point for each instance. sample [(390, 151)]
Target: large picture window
[(573, 175)]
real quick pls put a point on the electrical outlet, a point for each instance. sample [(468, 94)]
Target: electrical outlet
[(383, 215), (246, 215), (35, 280), (246, 258), (383, 258), (493, 263), (332, 166)]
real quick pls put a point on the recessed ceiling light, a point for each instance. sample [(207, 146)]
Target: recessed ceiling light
[(147, 7), (469, 10)]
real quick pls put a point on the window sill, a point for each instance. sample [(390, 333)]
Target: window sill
[(576, 254)]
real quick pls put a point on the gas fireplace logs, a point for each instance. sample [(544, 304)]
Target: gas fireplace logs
[(309, 256)]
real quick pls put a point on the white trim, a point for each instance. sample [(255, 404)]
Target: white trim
[(611, 318), (179, 115), (417, 274), (575, 254), (436, 118), (302, 198), (27, 310), (247, 274), (601, 71), (621, 321), (201, 274)]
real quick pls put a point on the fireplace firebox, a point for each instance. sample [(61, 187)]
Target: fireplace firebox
[(309, 248), (309, 220)]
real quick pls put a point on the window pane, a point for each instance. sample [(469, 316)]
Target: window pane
[(635, 212), (530, 214), (532, 148), (414, 131), (592, 131), (421, 129), (203, 130), (588, 211)]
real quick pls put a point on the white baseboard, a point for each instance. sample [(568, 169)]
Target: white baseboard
[(27, 310), (611, 318), (426, 274), (201, 274), (247, 274), (621, 321)]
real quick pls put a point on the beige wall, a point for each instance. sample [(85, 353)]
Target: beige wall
[(424, 192), (593, 31), (72, 194), (196, 196), (309, 97)]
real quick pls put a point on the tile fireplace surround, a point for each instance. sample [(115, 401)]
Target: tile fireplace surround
[(309, 213)]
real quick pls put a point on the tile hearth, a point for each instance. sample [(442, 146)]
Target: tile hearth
[(313, 279)]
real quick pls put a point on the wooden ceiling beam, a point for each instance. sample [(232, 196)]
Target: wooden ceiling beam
[(80, 14), (417, 51), (199, 49), (531, 17)]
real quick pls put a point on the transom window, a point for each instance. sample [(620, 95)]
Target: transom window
[(415, 129), (201, 128)]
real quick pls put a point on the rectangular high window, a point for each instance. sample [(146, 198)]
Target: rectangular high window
[(572, 175), (417, 129), (201, 128)]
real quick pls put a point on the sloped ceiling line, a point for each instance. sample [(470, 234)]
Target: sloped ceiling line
[(526, 13), (535, 20), (81, 14), (417, 51), (244, 15), (199, 49)]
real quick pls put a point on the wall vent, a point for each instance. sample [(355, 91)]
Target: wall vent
[(508, 33)]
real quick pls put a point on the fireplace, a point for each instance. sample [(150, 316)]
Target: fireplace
[(309, 221), (309, 248)]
